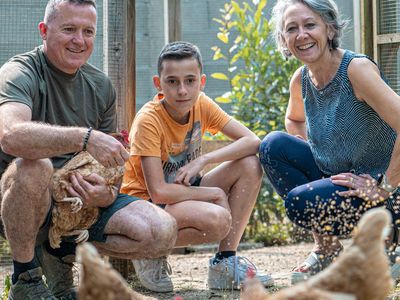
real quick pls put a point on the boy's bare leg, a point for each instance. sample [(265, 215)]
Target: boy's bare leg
[(241, 180), (199, 222), (139, 230)]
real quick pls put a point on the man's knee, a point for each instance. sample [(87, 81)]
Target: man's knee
[(34, 174), (161, 235)]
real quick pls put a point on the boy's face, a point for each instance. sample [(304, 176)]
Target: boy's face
[(181, 83)]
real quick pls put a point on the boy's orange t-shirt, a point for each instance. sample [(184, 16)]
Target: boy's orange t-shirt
[(155, 133)]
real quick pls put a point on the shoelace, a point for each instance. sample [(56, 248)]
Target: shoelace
[(241, 263), (163, 269)]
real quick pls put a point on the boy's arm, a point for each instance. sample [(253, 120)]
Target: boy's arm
[(245, 143), (162, 192)]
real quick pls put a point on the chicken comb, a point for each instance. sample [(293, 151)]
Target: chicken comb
[(122, 137), (125, 134), (178, 298)]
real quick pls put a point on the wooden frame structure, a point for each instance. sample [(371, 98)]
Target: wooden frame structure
[(380, 39), (119, 56)]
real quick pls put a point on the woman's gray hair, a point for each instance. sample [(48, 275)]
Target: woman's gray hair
[(52, 7), (326, 9)]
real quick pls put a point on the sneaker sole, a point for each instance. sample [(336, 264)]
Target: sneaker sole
[(153, 288), (297, 277), (228, 285)]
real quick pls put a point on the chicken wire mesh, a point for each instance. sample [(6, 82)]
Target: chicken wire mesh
[(19, 33)]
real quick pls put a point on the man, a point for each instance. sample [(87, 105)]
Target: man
[(49, 97), (166, 161)]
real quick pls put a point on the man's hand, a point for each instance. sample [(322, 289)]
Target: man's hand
[(185, 173), (107, 150), (92, 189)]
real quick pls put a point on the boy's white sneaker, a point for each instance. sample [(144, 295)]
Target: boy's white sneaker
[(231, 272), (153, 274)]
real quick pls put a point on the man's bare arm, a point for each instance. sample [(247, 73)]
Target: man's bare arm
[(22, 137)]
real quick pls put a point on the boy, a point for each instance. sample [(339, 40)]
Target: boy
[(166, 160)]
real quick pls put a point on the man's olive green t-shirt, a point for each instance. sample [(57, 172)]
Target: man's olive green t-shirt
[(85, 99)]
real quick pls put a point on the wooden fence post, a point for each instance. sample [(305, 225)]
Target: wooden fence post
[(119, 64)]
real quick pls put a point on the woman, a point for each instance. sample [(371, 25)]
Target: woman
[(341, 155)]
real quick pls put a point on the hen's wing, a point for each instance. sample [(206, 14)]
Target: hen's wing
[(98, 280)]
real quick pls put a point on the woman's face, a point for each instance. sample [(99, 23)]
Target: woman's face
[(305, 34)]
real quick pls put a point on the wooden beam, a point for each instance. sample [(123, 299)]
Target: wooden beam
[(119, 64), (367, 42), (174, 20), (389, 38), (119, 56), (130, 101)]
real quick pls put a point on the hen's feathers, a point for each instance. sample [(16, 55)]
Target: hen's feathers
[(69, 217), (98, 280), (361, 272)]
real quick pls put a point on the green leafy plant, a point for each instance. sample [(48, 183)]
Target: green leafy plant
[(259, 79), (6, 288)]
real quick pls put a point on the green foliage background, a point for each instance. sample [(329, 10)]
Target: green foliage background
[(259, 79)]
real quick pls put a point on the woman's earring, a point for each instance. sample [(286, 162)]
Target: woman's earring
[(330, 44), (286, 52)]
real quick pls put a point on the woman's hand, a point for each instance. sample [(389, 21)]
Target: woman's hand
[(362, 186), (92, 189)]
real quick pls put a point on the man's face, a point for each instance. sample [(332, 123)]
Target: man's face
[(68, 37)]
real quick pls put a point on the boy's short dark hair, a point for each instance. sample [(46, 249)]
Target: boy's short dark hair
[(177, 51)]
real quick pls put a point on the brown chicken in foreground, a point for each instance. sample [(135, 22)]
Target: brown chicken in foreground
[(361, 272), (98, 280), (69, 217)]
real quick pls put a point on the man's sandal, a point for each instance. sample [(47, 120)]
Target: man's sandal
[(314, 263)]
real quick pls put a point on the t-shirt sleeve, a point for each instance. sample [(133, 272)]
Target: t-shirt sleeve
[(109, 117), (216, 117), (17, 84), (145, 136)]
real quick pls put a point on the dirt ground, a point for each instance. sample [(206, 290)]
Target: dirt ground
[(190, 272)]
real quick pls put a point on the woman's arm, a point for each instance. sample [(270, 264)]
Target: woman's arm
[(295, 121), (368, 86)]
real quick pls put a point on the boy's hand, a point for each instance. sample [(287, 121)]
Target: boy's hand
[(185, 173)]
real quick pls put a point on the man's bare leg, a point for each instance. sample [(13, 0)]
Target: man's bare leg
[(25, 204), (139, 230)]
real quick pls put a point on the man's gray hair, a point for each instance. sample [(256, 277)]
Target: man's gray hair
[(52, 7), (326, 9)]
